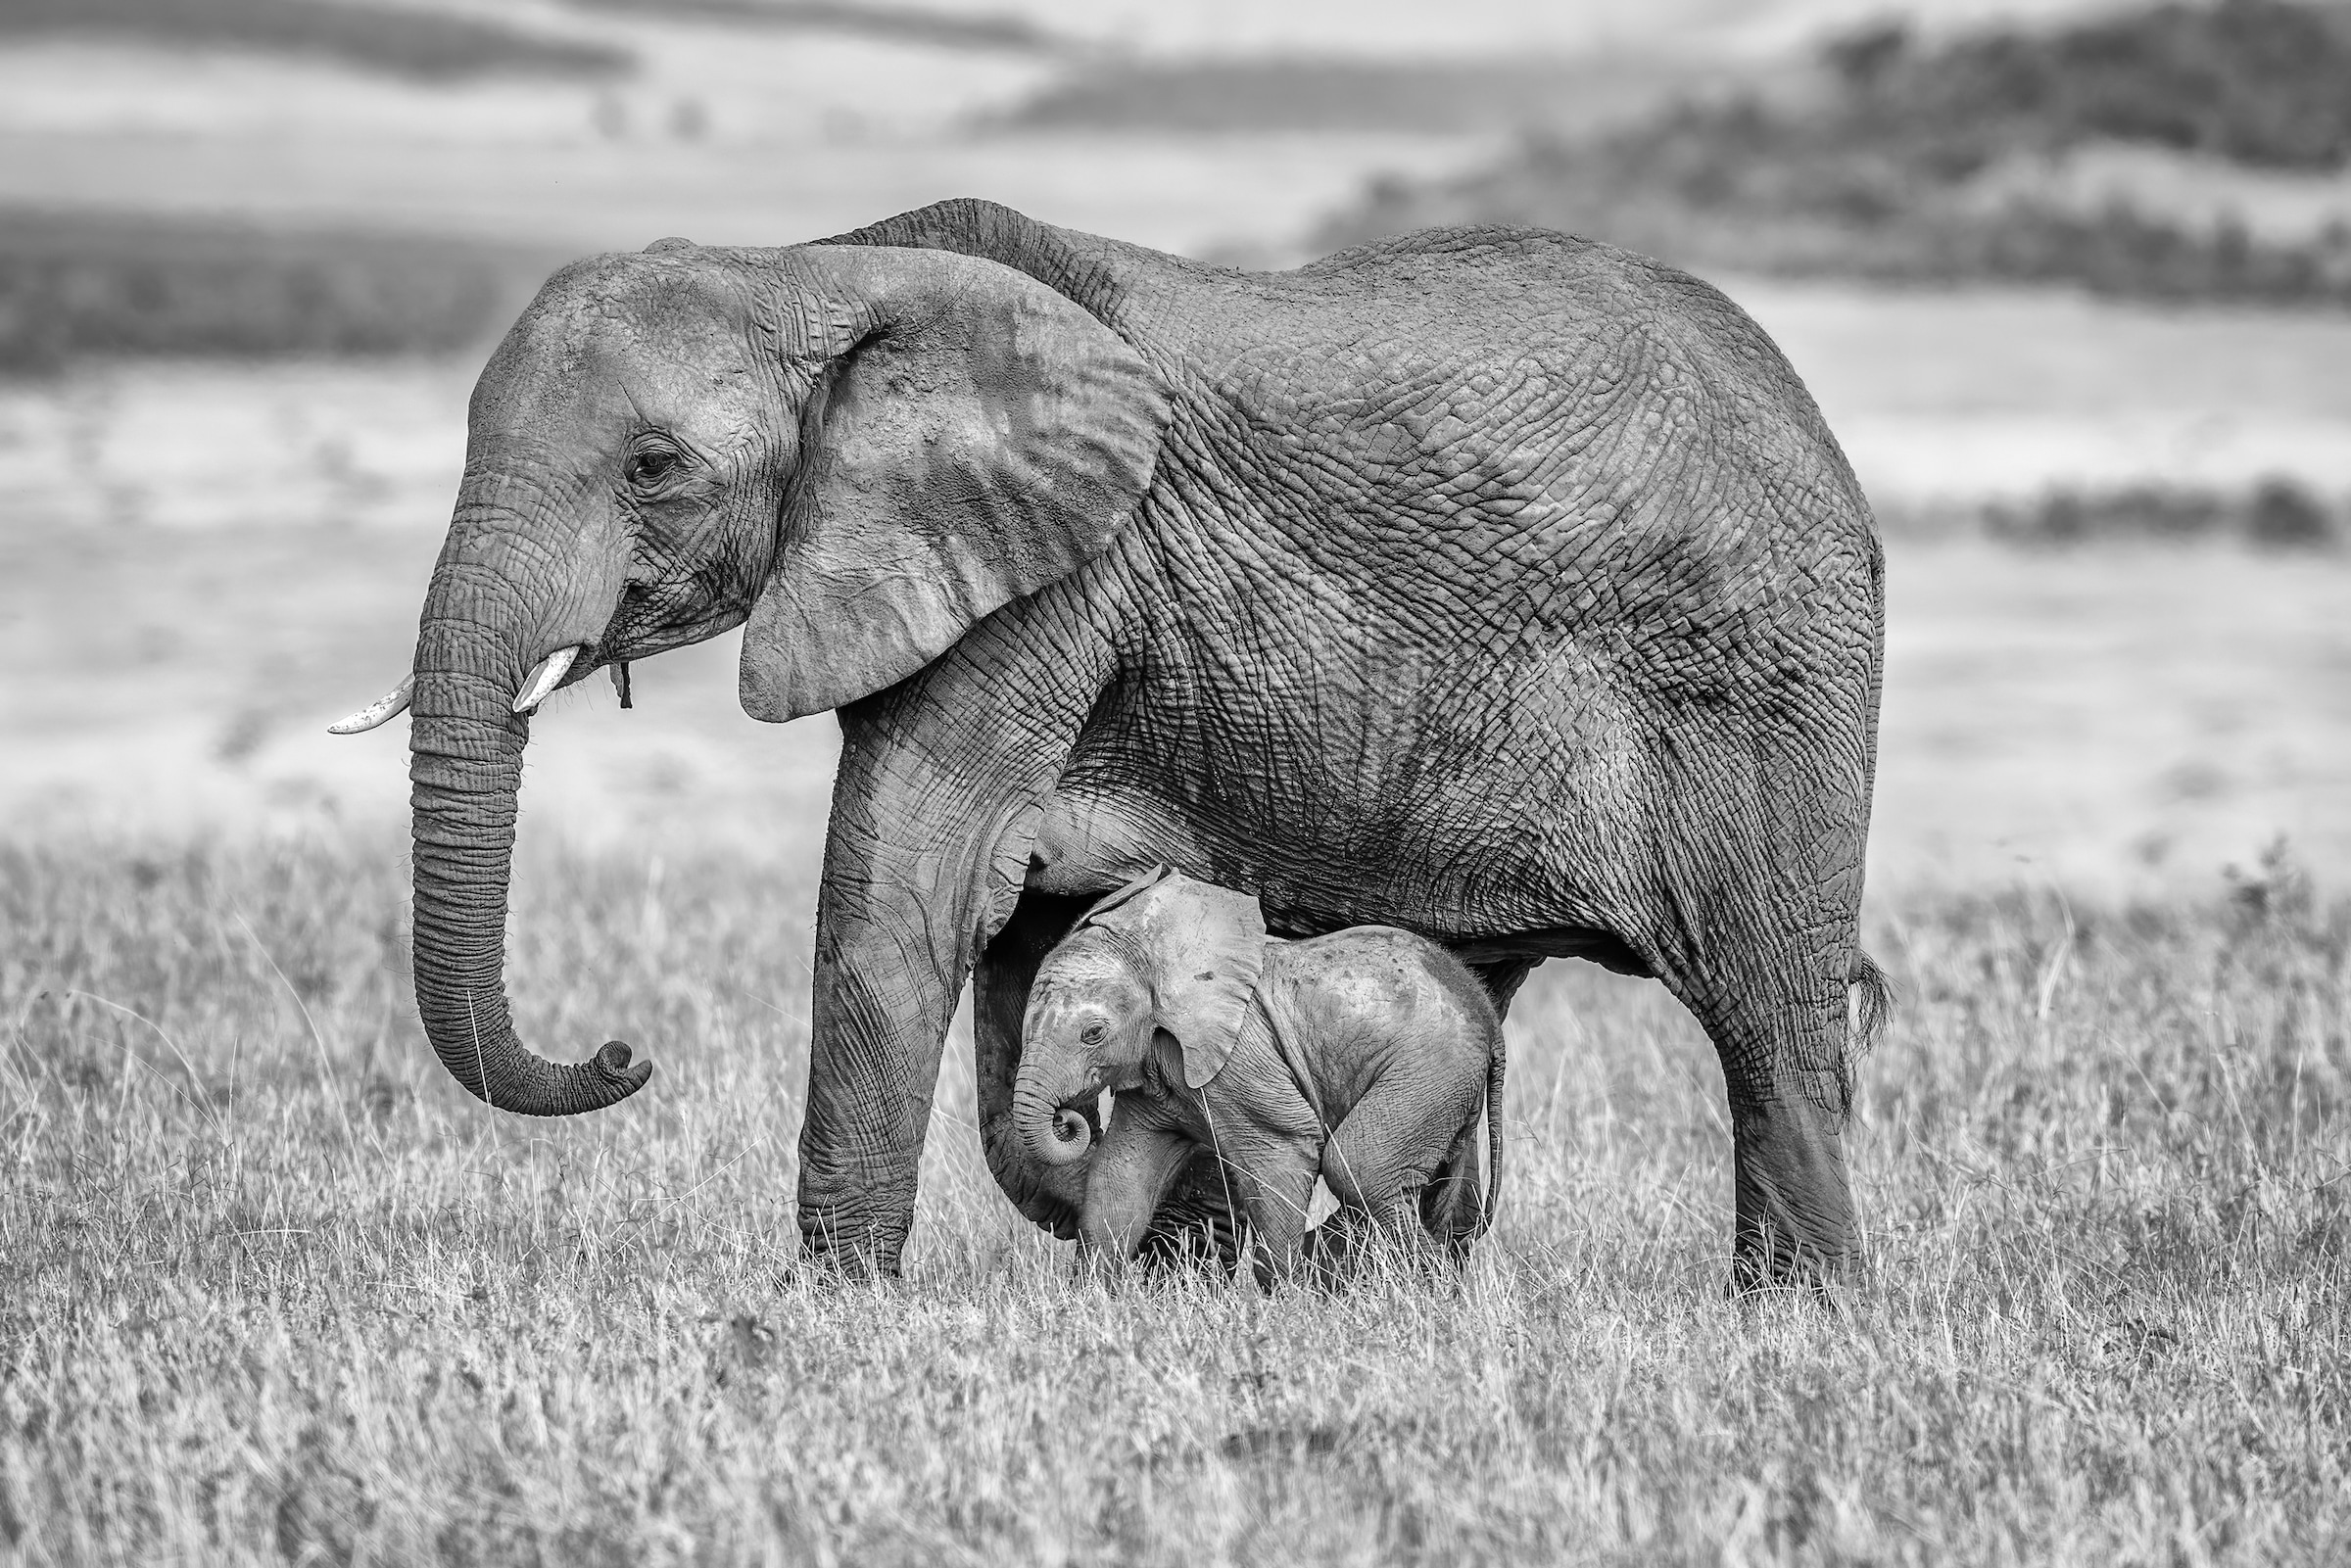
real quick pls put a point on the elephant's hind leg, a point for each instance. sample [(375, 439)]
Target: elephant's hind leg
[(1777, 1022), (1454, 1202), (1383, 1153), (1759, 942)]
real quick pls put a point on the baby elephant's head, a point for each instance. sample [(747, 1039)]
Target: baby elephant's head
[(1165, 953), (1090, 1022)]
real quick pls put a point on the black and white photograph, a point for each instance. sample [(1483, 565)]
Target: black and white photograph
[(1175, 782)]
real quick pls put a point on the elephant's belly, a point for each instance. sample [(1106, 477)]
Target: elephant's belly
[(1095, 840), (1449, 816)]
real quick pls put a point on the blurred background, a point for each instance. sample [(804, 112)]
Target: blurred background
[(2072, 283)]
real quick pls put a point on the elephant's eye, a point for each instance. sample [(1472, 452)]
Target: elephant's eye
[(651, 466), (1094, 1034)]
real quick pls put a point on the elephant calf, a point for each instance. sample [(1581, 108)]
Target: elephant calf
[(1363, 1056)]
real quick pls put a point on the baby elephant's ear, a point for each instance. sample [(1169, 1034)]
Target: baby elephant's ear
[(1206, 947), (1110, 901)]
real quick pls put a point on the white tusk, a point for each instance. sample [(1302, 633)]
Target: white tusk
[(545, 679), (391, 705)]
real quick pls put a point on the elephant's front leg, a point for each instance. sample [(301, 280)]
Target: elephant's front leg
[(1138, 1161), (934, 812), (1276, 1186)]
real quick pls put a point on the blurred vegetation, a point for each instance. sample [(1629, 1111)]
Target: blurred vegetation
[(75, 284), (1208, 97), (2255, 81), (1880, 173), (398, 39), (2274, 514), (898, 24)]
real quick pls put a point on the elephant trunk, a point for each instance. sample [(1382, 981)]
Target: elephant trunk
[(1051, 1132), (464, 764)]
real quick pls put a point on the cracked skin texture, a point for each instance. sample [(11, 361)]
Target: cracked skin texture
[(1497, 584), (1488, 582)]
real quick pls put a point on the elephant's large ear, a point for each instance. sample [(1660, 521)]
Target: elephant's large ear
[(973, 437), (1205, 948)]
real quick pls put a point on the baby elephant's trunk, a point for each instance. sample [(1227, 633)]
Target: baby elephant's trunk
[(1051, 1132)]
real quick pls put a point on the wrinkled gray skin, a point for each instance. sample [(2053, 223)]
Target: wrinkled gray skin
[(1488, 582), (1363, 1058)]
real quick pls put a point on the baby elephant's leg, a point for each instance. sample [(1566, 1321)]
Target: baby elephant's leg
[(1452, 1203), (1140, 1157), (1272, 1181), (1383, 1153)]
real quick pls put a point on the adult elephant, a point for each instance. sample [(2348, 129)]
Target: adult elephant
[(1486, 582)]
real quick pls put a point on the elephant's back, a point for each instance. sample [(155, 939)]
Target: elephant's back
[(1517, 399), (1355, 989), (1532, 450), (1551, 294)]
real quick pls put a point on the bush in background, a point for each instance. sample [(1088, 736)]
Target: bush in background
[(2255, 81), (78, 284), (1312, 93), (2276, 514), (1873, 176)]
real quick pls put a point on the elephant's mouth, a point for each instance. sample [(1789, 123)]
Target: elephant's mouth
[(654, 617), (627, 644)]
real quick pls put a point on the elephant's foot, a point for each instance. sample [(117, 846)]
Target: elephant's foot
[(1796, 1222), (856, 1237)]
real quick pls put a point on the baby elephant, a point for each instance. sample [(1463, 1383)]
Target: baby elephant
[(1363, 1056)]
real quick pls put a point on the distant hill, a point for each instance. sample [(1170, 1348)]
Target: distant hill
[(79, 284), (402, 40), (1891, 167)]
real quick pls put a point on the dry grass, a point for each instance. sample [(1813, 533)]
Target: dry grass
[(275, 1290)]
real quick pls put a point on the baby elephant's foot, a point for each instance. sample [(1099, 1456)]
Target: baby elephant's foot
[(1334, 1252), (1404, 1253)]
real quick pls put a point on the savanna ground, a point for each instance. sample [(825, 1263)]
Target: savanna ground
[(271, 1288)]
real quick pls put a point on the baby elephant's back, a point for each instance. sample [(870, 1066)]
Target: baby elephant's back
[(1354, 998)]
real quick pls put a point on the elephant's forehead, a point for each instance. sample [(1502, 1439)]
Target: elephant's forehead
[(591, 361), (1085, 960)]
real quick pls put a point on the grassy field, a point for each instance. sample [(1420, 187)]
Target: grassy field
[(271, 1288)]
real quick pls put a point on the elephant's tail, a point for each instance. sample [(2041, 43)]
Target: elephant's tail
[(1494, 1073), (1872, 1003)]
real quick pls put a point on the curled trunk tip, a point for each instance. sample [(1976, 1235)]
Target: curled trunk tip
[(1053, 1135), (464, 764)]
